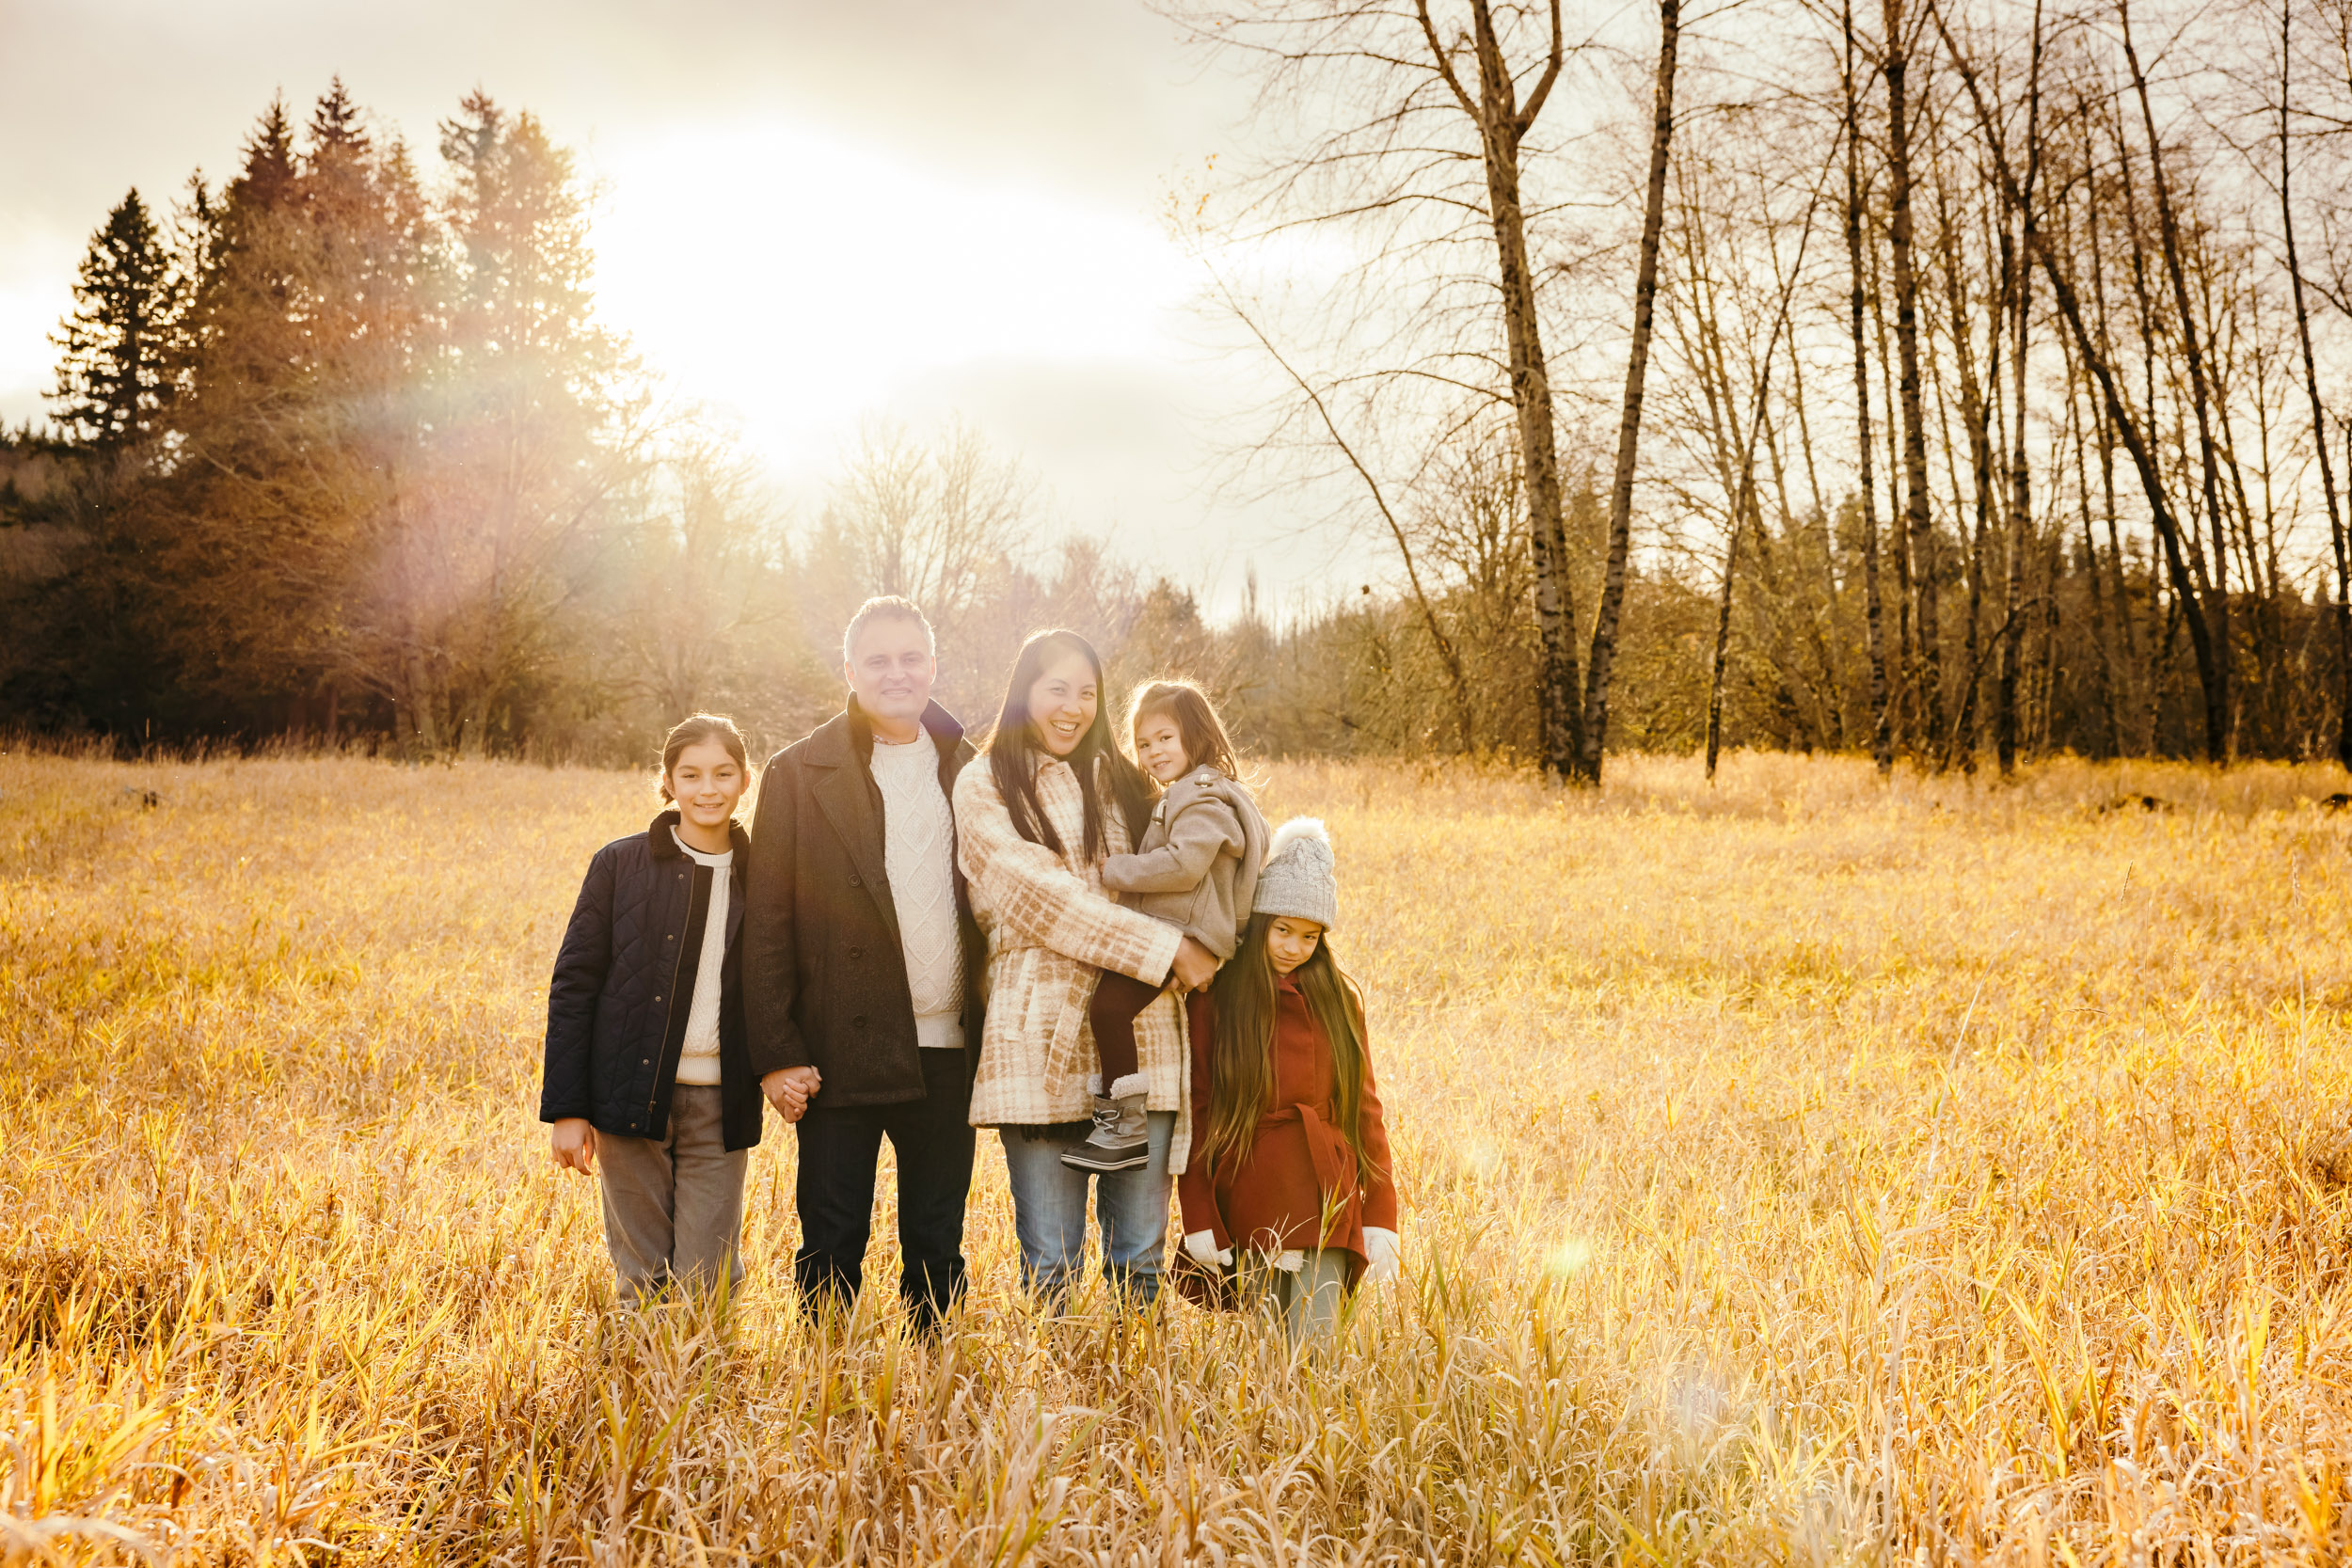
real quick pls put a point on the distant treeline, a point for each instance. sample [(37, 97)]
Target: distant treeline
[(341, 452)]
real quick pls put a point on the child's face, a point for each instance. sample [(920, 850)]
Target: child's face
[(1062, 704), (1291, 942), (1160, 747), (707, 781)]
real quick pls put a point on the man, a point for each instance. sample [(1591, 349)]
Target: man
[(862, 967)]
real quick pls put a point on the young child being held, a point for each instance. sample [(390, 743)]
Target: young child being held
[(1290, 1159), (1195, 867)]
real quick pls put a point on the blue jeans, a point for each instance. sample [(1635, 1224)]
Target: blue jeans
[(1049, 1213)]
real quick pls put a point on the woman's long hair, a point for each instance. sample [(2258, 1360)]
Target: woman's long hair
[(1012, 753), (1241, 1061)]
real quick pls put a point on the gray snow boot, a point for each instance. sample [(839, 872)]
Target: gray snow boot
[(1121, 1139)]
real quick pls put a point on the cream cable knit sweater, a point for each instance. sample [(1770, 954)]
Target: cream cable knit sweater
[(918, 855)]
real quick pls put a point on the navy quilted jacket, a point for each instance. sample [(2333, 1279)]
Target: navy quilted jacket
[(625, 982)]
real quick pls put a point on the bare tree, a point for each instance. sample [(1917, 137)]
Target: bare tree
[(2342, 615), (1921, 524), (1405, 86), (2021, 495), (935, 520), (2218, 716), (1596, 721), (1881, 730)]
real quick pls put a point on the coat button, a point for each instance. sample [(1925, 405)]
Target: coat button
[(672, 937), (858, 1022), (657, 999), (857, 952), (644, 1061), (854, 882)]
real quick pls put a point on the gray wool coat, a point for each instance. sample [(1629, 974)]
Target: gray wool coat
[(1197, 864)]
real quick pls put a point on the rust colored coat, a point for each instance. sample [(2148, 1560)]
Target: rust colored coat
[(1272, 1198)]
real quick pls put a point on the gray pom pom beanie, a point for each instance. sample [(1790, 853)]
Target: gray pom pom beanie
[(1299, 878)]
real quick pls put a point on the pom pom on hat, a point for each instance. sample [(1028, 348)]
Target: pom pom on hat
[(1300, 877)]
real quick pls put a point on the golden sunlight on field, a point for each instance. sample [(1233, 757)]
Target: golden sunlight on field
[(1799, 1172)]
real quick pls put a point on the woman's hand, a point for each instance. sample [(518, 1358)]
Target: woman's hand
[(1195, 966), (573, 1145), (788, 1089)]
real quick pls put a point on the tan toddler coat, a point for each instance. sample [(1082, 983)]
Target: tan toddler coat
[(1197, 865)]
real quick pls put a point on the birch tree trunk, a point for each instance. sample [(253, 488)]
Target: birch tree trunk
[(1595, 725), (2218, 697), (2020, 491), (1502, 123), (1501, 126), (1920, 522), (2343, 609), (1881, 730)]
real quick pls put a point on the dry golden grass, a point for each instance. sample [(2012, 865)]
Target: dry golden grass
[(1799, 1171)]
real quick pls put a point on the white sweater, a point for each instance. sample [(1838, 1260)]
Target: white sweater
[(698, 1060), (918, 854)]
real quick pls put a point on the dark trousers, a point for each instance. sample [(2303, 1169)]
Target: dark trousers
[(933, 1143), (1111, 1014)]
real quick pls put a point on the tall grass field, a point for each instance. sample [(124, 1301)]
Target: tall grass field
[(1801, 1170)]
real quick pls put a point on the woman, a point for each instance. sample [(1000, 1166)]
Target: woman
[(1035, 819)]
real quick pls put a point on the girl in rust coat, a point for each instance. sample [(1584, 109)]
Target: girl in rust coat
[(1289, 1170)]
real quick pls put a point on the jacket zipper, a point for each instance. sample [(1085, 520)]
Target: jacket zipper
[(654, 1093)]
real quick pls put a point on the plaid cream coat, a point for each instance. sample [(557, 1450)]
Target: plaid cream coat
[(1050, 929)]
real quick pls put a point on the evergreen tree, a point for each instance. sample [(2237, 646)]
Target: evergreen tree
[(299, 420), (532, 438), (114, 377)]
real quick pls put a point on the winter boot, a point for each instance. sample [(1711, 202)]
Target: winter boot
[(1121, 1139)]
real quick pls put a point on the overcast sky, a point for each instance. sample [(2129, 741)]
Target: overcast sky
[(810, 214)]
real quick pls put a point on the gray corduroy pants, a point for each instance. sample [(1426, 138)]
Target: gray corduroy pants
[(673, 1205)]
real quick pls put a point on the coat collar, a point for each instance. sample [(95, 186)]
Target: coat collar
[(848, 736), (662, 843)]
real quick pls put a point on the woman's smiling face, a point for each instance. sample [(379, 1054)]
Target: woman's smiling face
[(1063, 703)]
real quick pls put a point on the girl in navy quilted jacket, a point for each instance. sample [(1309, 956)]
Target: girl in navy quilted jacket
[(648, 1077)]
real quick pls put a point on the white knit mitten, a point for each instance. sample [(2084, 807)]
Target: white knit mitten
[(1200, 1246), (1381, 1256)]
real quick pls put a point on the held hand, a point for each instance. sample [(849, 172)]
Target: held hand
[(573, 1145), (1200, 1246), (1382, 1256), (1195, 966), (790, 1089)]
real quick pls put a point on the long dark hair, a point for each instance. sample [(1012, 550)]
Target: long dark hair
[(1012, 751), (1241, 1060)]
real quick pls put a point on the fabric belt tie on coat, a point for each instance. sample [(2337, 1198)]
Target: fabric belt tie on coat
[(1335, 1163)]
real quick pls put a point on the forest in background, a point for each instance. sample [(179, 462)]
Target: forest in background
[(1931, 383)]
